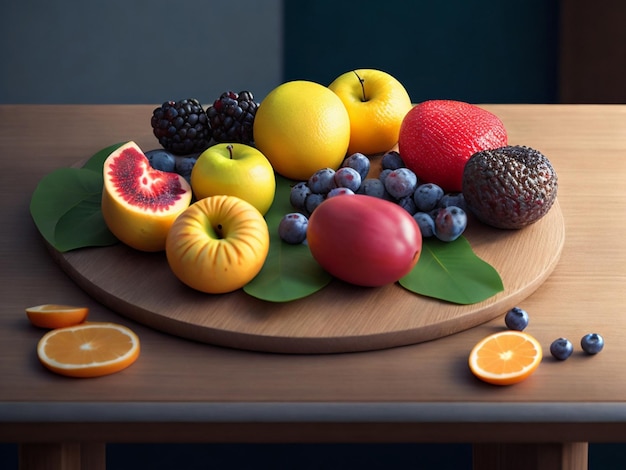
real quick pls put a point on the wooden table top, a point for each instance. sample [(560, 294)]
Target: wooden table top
[(181, 381)]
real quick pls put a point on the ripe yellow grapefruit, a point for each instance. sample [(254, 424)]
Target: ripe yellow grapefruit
[(301, 127)]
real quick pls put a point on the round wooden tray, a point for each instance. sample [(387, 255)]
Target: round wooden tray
[(339, 318)]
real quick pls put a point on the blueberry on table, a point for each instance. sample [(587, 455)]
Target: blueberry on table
[(372, 187), (453, 199), (450, 223), (427, 196), (312, 201), (592, 343), (339, 192), (359, 162), (561, 348), (516, 319), (408, 204), (382, 176), (298, 194), (392, 161), (426, 224), (292, 228), (184, 166), (322, 181), (347, 177), (400, 182), (162, 160)]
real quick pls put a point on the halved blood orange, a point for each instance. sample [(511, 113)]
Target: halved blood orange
[(56, 316), (139, 203), (90, 349), (505, 358)]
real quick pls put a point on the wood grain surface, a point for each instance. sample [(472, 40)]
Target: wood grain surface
[(339, 318), (428, 384)]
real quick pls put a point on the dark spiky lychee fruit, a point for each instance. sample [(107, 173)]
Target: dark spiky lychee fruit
[(509, 187)]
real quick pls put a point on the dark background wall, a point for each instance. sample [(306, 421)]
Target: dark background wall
[(485, 51), (147, 51), (137, 51)]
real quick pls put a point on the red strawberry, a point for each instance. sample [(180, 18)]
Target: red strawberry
[(437, 138)]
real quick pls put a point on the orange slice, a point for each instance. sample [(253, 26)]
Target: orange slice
[(56, 316), (90, 349), (505, 358)]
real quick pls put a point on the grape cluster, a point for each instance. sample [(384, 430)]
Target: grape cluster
[(438, 214)]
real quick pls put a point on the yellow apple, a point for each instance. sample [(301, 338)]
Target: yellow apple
[(235, 169), (218, 244), (376, 103)]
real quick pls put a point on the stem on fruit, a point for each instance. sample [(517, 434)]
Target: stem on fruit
[(230, 150), (362, 82)]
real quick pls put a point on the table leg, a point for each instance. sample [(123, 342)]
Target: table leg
[(62, 456), (570, 456)]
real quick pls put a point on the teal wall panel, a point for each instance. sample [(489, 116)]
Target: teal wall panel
[(486, 51)]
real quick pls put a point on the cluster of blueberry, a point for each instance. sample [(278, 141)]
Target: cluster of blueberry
[(164, 160), (438, 214), (561, 348)]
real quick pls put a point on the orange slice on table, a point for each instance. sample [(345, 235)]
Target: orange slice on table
[(90, 349), (56, 316), (505, 358)]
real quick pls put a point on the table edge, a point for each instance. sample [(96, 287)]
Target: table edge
[(312, 412)]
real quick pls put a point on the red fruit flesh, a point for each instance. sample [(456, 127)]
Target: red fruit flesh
[(437, 137), (139, 203), (141, 186)]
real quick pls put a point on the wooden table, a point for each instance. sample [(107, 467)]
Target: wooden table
[(183, 391)]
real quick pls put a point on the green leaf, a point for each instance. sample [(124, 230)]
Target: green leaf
[(96, 162), (290, 272), (451, 271), (65, 206), (83, 225)]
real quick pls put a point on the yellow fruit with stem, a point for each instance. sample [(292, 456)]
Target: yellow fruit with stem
[(218, 244), (376, 103)]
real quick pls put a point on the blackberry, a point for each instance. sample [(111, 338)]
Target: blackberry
[(231, 117), (181, 126)]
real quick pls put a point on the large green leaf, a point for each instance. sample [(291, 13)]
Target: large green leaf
[(290, 272), (96, 162), (65, 206), (452, 272), (66, 209)]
